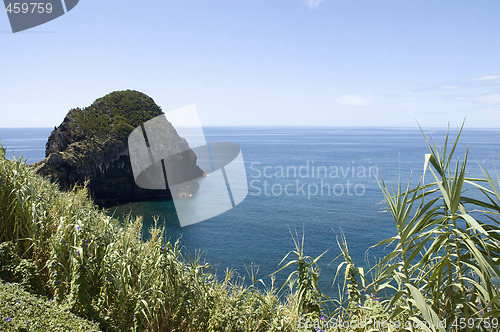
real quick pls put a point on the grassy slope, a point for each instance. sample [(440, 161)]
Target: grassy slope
[(104, 271)]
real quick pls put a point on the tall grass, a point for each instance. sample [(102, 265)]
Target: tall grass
[(445, 254), (105, 272)]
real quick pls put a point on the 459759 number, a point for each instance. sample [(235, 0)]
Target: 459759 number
[(32, 8)]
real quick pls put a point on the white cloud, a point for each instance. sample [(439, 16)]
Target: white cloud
[(490, 99), (487, 78), (486, 99), (353, 100), (485, 111), (313, 3), (486, 81)]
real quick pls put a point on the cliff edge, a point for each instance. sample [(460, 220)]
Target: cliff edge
[(90, 145)]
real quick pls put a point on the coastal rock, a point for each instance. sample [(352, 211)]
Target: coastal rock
[(90, 146)]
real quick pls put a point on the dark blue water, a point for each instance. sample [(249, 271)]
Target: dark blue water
[(329, 177)]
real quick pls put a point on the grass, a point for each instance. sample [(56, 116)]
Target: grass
[(104, 272), (438, 277)]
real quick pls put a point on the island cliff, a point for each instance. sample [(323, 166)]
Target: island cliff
[(90, 145)]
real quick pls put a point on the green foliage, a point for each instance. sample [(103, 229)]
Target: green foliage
[(105, 272), (446, 251), (22, 311), (358, 306), (445, 255), (306, 277), (113, 116), (15, 269)]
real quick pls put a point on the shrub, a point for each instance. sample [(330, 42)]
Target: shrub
[(113, 116), (22, 311), (15, 269)]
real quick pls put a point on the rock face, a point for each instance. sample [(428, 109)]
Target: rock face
[(91, 146)]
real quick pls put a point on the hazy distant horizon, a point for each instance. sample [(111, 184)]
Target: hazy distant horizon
[(311, 126)]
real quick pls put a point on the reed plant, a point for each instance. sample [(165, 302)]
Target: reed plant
[(441, 273)]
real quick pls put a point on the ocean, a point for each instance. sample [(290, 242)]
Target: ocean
[(320, 182)]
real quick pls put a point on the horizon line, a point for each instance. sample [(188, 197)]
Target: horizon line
[(304, 126)]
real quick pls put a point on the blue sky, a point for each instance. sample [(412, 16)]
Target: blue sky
[(263, 62)]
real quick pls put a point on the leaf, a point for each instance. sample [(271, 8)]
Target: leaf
[(430, 315), (428, 157)]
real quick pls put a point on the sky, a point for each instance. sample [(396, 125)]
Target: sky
[(263, 62)]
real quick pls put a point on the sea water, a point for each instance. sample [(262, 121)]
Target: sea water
[(316, 182)]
